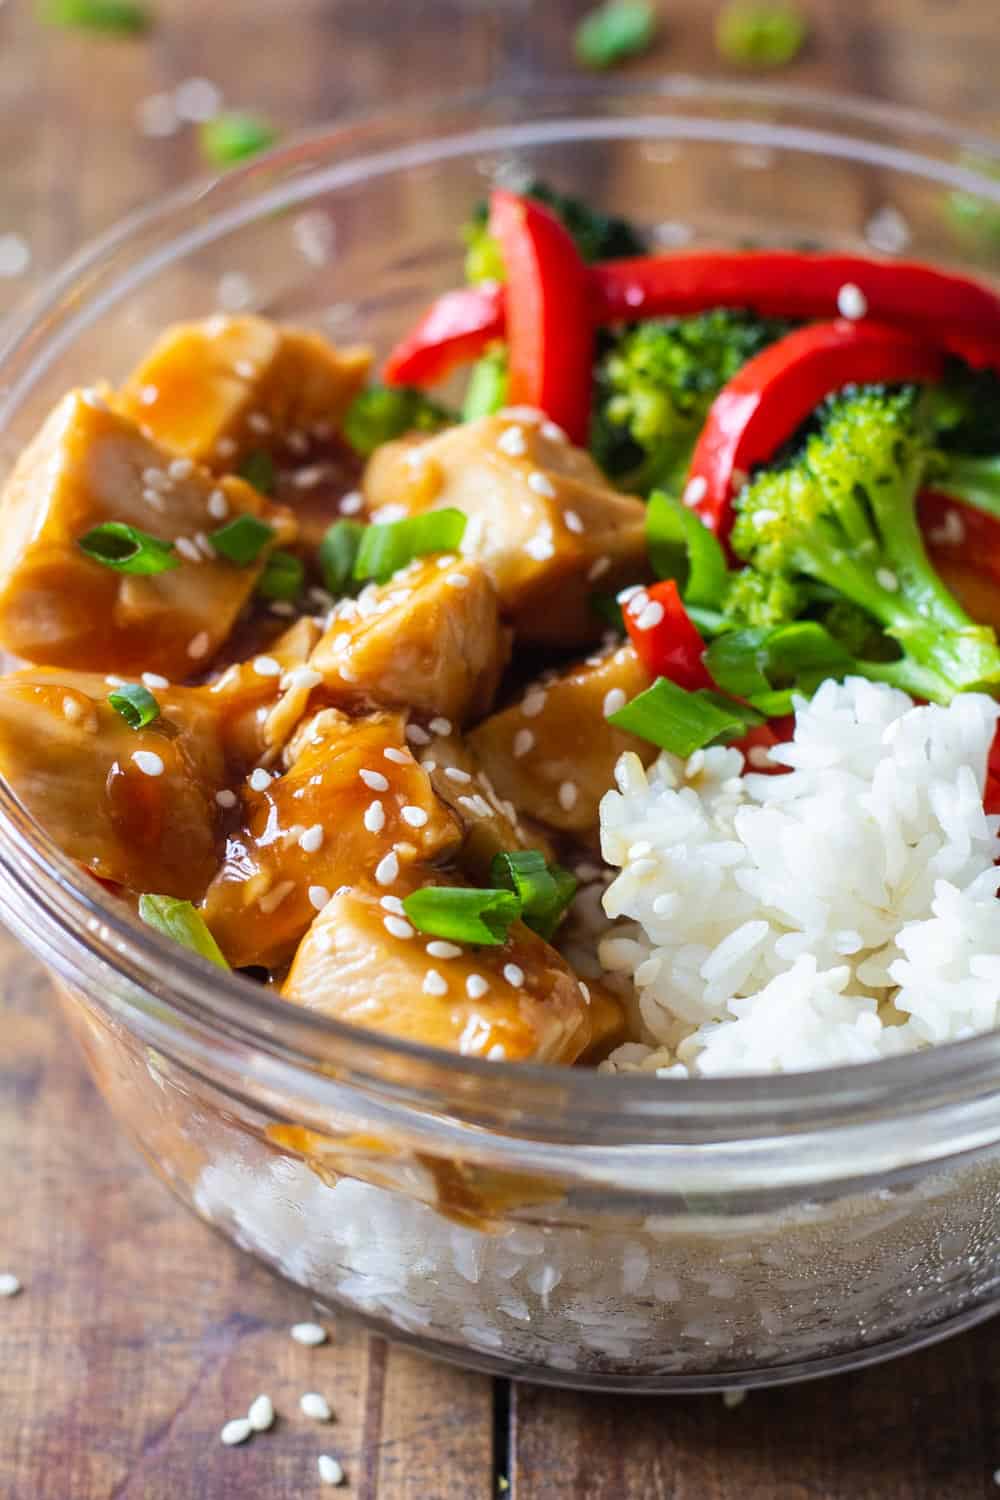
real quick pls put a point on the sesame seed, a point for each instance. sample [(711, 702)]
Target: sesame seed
[(148, 762), (235, 1432), (416, 735), (9, 1284), (72, 709), (455, 773), (398, 757), (374, 779), (93, 399), (309, 1334), (434, 983), (695, 490), (261, 1414), (514, 974), (282, 608), (415, 816), (315, 1406), (318, 896), (457, 580), (154, 499), (497, 1052), (887, 578), (198, 645), (387, 869), (331, 1470), (312, 840), (153, 680), (226, 798), (351, 503), (649, 616), (541, 484), (584, 991), (851, 301), (441, 725), (157, 116), (309, 477), (374, 819), (397, 927), (440, 949), (218, 506), (554, 432), (259, 422), (476, 986), (614, 699), (266, 666), (392, 903), (540, 547), (429, 765), (180, 468), (524, 741), (511, 441), (632, 592), (187, 548), (260, 779), (533, 702), (572, 520), (568, 795), (226, 447), (245, 370)]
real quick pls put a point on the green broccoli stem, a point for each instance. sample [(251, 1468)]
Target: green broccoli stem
[(973, 481)]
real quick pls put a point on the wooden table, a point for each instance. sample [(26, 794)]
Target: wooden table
[(138, 1333)]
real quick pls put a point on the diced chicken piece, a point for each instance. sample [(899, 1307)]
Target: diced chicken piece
[(541, 517), (134, 806), (607, 1024), (344, 809), (261, 700), (217, 390), (430, 639), (553, 752), (60, 607), (490, 825), (367, 966)]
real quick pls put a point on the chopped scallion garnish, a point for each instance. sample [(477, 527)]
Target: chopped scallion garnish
[(679, 721), (258, 469), (760, 33), (682, 547), (127, 17), (233, 136), (544, 890), (337, 553), (381, 413), (386, 549), (283, 577), (614, 31), (486, 391), (463, 914), (755, 663), (179, 920), (242, 540), (126, 549), (135, 703)]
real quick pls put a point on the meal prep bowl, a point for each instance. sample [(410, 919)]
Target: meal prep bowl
[(557, 1225)]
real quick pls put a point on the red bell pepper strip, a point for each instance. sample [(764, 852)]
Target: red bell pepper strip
[(453, 331), (771, 395), (550, 334), (666, 642), (960, 533)]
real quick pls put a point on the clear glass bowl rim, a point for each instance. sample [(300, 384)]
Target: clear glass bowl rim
[(189, 997)]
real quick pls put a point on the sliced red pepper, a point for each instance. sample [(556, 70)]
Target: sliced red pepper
[(771, 395), (550, 335), (666, 642), (453, 331), (953, 530)]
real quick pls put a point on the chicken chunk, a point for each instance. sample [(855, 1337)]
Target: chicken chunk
[(541, 517), (430, 639), (353, 801), (262, 700), (364, 965), (217, 390), (136, 807), (60, 607), (553, 752)]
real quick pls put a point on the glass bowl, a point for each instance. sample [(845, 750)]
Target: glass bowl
[(628, 1233)]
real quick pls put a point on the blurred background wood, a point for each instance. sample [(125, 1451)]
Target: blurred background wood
[(138, 1332)]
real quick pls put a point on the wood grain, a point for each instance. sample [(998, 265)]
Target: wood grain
[(139, 1332)]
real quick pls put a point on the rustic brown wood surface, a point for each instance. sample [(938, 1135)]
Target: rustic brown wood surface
[(138, 1332)]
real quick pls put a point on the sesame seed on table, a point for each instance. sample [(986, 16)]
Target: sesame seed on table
[(130, 1336)]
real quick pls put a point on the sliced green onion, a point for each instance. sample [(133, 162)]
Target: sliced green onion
[(615, 30), (682, 547), (462, 914), (679, 721), (234, 136), (126, 549), (337, 553), (283, 577), (383, 412), (135, 703), (486, 391), (179, 920), (755, 663), (127, 17), (258, 469), (736, 661), (975, 481), (241, 541), (543, 890), (386, 549), (760, 35)]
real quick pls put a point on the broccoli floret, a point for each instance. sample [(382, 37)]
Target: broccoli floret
[(655, 384), (598, 236), (842, 514)]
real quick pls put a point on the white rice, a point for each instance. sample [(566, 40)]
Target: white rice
[(842, 912)]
